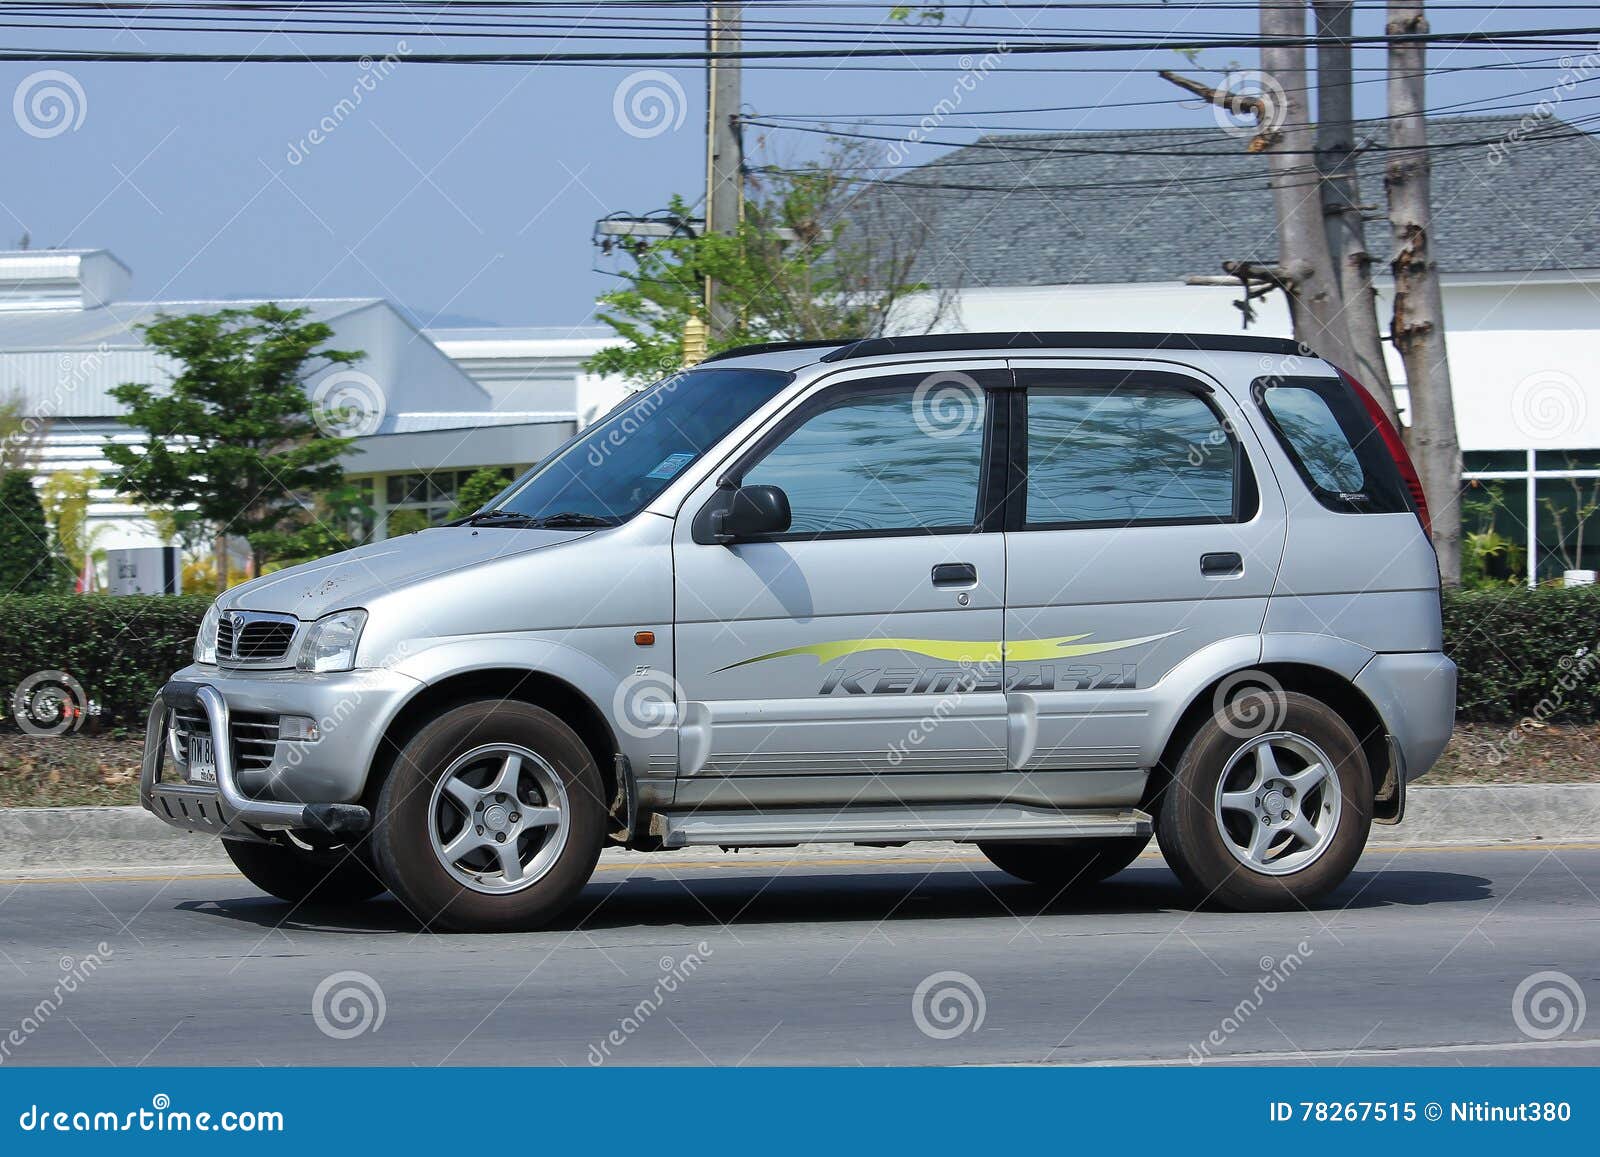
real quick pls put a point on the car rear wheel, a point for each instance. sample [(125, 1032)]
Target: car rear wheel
[(1066, 864), (1270, 816), (305, 875), (491, 820)]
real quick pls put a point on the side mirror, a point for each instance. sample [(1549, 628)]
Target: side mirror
[(750, 512)]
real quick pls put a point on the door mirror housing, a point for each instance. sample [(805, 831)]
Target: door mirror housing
[(745, 512)]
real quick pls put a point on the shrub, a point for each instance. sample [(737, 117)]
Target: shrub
[(1517, 649), (120, 650), (27, 566)]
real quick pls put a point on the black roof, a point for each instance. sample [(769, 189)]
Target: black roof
[(939, 342), (1024, 210)]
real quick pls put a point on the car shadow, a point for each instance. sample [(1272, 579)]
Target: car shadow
[(767, 892)]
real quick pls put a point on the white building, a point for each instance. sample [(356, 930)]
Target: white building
[(69, 332)]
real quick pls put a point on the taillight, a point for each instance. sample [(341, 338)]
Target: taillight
[(1396, 448)]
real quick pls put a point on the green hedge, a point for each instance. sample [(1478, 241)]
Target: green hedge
[(1525, 653), (119, 649), (1521, 653)]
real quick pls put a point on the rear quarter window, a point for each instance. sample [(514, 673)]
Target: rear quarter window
[(1333, 444)]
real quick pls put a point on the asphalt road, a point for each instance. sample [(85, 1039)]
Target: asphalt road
[(754, 960)]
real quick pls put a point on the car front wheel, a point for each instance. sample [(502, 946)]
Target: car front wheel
[(491, 820)]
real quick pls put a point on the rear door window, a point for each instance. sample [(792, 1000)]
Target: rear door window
[(1125, 454), (1335, 447)]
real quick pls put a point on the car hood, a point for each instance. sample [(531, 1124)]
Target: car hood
[(353, 577)]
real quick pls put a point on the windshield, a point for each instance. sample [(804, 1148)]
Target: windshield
[(617, 466)]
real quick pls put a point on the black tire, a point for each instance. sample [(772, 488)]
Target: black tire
[(402, 838), (1066, 865), (1192, 837), (306, 875)]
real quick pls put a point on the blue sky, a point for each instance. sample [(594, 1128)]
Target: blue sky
[(469, 194)]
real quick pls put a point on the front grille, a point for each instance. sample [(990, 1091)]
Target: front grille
[(254, 735), (245, 637)]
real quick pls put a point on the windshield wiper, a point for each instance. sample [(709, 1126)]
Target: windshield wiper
[(495, 518), (516, 519), (571, 518)]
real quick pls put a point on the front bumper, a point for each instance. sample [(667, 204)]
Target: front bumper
[(301, 785)]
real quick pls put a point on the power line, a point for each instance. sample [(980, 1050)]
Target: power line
[(1538, 38)]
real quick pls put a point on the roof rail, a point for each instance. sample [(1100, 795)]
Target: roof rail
[(1100, 340), (776, 347)]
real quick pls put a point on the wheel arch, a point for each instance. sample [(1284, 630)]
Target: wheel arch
[(522, 684), (1329, 686)]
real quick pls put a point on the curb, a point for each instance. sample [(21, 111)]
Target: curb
[(75, 838)]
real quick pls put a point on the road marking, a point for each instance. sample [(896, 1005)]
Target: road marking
[(1336, 1054), (668, 864)]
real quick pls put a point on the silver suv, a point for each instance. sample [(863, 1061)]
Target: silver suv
[(1045, 593)]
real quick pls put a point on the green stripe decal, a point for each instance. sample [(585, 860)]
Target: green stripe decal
[(958, 651)]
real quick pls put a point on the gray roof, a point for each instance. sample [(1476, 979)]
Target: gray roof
[(1074, 210), (117, 325)]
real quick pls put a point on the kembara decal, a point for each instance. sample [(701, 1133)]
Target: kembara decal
[(975, 665)]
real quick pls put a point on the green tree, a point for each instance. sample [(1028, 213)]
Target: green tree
[(20, 435), (337, 520), (27, 566), (408, 520), (232, 441), (478, 489), (813, 259), (66, 496)]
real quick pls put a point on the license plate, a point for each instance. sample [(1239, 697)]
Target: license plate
[(202, 760)]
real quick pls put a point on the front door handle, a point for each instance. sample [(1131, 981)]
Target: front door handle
[(1221, 564), (955, 574)]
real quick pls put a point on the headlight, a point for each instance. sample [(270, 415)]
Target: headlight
[(330, 644), (205, 643)]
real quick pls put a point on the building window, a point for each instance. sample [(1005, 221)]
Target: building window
[(403, 503), (1530, 514)]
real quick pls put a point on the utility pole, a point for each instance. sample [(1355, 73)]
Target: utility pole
[(724, 148)]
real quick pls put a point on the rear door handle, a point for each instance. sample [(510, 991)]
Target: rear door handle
[(955, 574), (1221, 564)]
